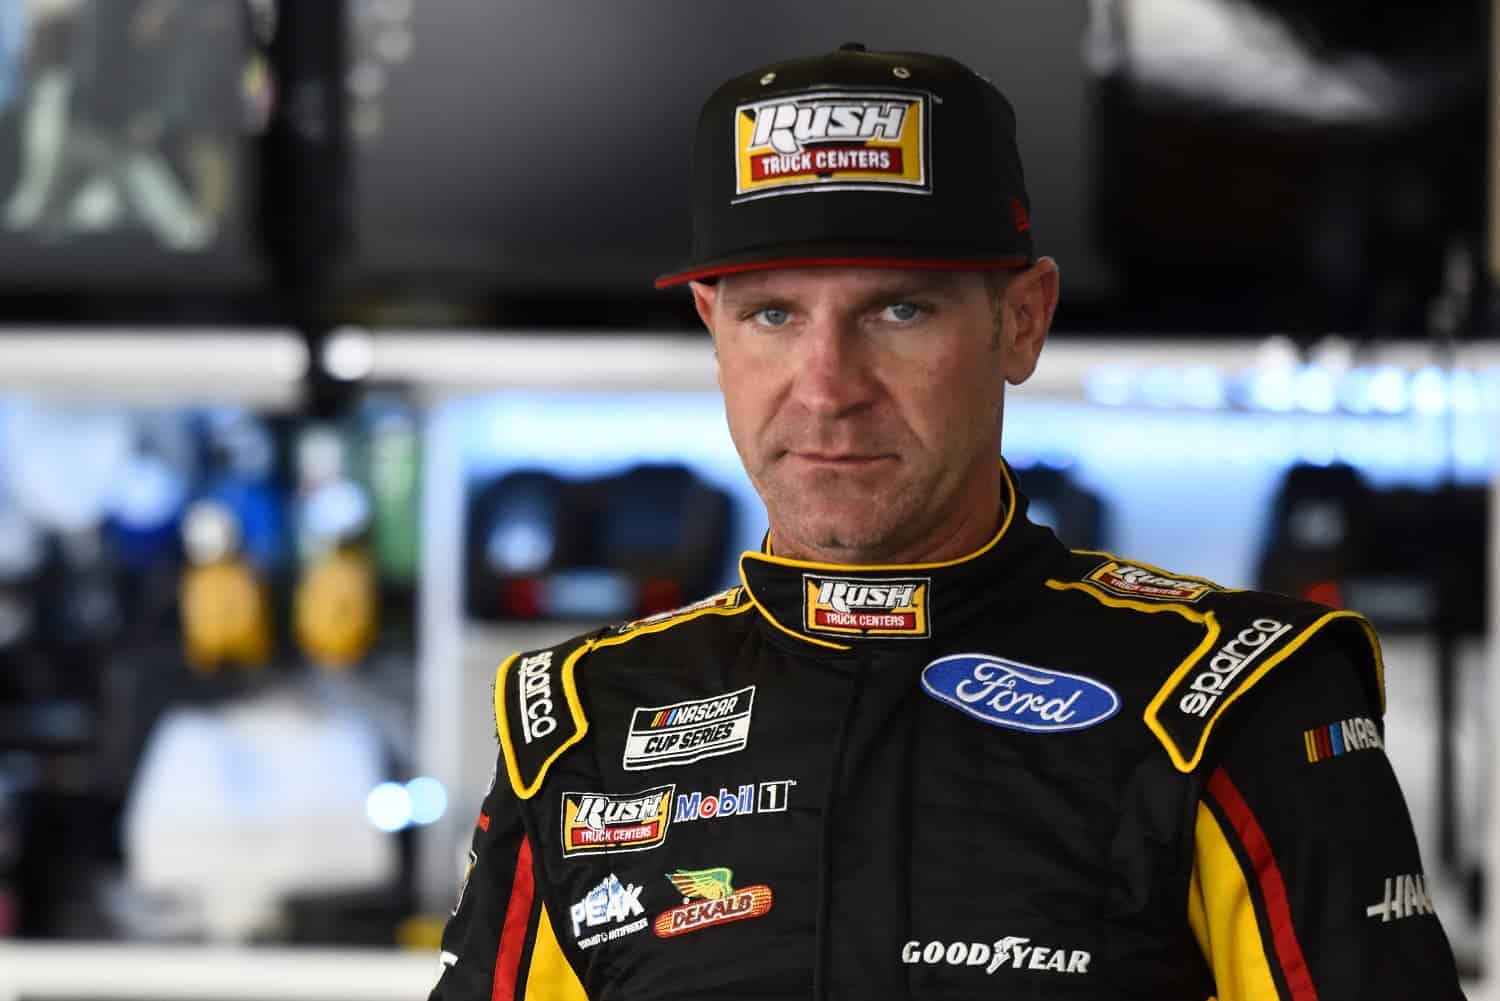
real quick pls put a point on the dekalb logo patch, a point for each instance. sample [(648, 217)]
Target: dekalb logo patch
[(1130, 581), (857, 606), (1018, 696), (689, 731), (829, 141), (605, 822), (709, 898)]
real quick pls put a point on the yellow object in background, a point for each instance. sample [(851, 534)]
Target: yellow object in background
[(336, 608), (225, 617)]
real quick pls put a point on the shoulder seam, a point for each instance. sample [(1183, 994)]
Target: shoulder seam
[(1187, 765), (668, 623), (575, 709), (1151, 608)]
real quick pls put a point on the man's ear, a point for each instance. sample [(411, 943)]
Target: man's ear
[(1030, 302), (703, 298)]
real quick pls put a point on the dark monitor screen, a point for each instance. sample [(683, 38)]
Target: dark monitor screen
[(124, 133), (544, 147)]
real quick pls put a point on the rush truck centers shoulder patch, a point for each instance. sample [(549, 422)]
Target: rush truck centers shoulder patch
[(689, 731), (1130, 581), (608, 822), (709, 898), (832, 140), (859, 606), (1018, 696)]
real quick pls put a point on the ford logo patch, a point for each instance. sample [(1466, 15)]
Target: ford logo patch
[(1006, 693)]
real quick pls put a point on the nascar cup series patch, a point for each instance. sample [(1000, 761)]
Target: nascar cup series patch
[(685, 732), (856, 606), (1018, 696), (832, 140)]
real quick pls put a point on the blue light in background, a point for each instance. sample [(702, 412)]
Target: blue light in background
[(1388, 392), (1316, 390), (1429, 391), (429, 800), (1273, 390), (389, 806)]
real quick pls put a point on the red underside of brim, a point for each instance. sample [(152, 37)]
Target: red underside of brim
[(904, 263)]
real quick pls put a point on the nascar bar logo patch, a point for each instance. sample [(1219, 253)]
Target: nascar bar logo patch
[(858, 606), (1358, 734), (689, 731), (1130, 581), (709, 898), (849, 140), (595, 822)]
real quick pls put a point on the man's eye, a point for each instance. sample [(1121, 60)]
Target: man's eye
[(771, 316), (902, 312)]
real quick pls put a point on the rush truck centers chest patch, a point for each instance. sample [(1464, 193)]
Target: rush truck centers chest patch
[(1018, 696), (858, 606), (608, 822), (688, 731), (832, 140)]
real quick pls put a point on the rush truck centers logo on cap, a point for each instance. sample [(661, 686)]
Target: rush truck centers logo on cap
[(866, 607), (709, 898), (831, 140), (688, 731), (1018, 696), (606, 822), (1131, 581)]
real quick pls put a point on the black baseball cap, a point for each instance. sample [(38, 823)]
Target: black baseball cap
[(876, 159)]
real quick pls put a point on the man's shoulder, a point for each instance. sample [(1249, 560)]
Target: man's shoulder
[(539, 712), (1229, 640)]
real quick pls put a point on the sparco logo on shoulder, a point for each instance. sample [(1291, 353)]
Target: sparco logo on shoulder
[(828, 140), (860, 606), (537, 713), (1018, 696), (1229, 662)]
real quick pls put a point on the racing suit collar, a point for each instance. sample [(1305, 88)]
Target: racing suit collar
[(839, 607)]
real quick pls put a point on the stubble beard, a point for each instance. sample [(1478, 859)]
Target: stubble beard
[(838, 519)]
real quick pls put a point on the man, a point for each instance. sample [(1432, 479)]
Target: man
[(925, 751)]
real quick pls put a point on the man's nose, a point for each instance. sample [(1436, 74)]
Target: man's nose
[(834, 373)]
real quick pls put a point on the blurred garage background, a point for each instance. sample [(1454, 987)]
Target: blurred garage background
[(331, 373)]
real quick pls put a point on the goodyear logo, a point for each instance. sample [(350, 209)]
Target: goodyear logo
[(605, 822), (856, 606), (832, 140), (1131, 581)]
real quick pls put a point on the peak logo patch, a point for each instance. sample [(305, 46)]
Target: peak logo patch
[(608, 822), (857, 606), (831, 140)]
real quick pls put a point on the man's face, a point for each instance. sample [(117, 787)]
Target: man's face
[(865, 403)]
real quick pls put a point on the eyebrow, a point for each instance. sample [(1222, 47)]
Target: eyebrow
[(751, 287)]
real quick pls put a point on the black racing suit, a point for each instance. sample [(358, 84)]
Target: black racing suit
[(1028, 773)]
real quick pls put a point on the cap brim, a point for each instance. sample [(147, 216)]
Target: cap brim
[(840, 257)]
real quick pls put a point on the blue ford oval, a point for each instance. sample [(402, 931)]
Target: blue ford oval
[(1018, 696)]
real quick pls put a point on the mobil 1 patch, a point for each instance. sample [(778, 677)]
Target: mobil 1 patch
[(685, 732)]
